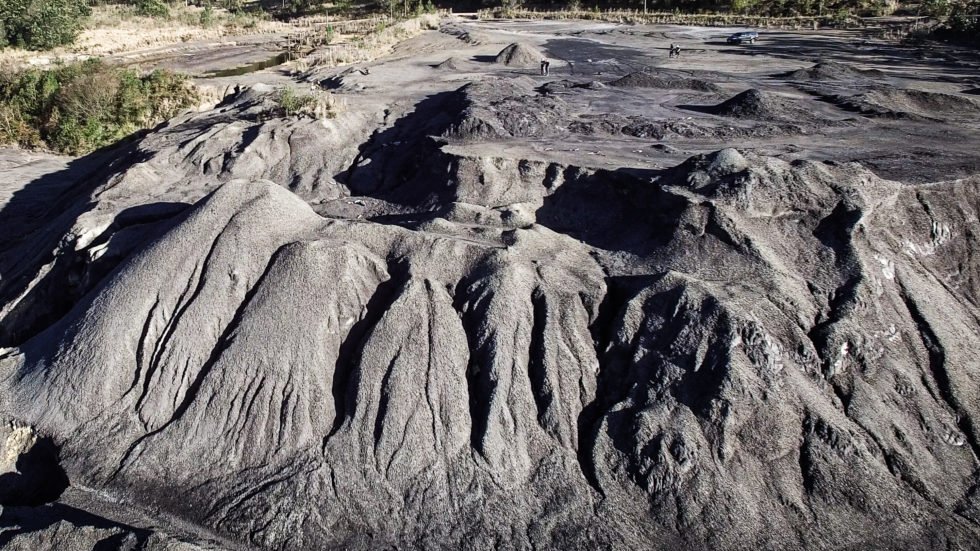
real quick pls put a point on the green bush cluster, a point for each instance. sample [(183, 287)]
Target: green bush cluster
[(838, 9), (207, 16), (41, 24), (960, 21), (80, 107), (419, 7), (964, 20), (152, 8), (292, 103), (765, 8)]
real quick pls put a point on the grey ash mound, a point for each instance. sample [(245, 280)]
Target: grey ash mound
[(506, 108), (663, 80), (558, 87), (737, 352), (757, 105), (911, 104), (638, 126), (764, 113), (832, 71), (519, 54), (452, 64), (468, 36)]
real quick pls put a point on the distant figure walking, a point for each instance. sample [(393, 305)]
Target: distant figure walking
[(675, 51), (545, 67)]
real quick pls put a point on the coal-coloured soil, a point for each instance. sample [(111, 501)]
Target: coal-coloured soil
[(638, 126), (467, 312), (467, 35), (910, 104), (832, 71), (519, 54), (758, 105), (664, 80), (505, 108), (763, 114), (452, 64)]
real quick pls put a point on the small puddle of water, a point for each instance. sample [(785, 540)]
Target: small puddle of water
[(274, 61)]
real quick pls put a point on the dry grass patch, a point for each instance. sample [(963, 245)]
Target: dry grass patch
[(383, 35)]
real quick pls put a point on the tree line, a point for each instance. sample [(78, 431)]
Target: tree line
[(44, 24)]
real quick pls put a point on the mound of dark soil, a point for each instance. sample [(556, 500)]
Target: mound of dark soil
[(506, 108), (830, 70), (663, 80), (909, 104), (558, 86), (469, 37), (519, 54), (660, 130), (645, 128), (664, 148), (751, 103), (930, 101), (756, 105), (220, 375), (607, 123), (452, 64), (738, 352)]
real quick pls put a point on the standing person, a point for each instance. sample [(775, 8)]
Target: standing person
[(544, 67), (547, 68)]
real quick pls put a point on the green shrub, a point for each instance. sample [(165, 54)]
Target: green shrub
[(77, 108), (935, 8), (962, 26), (207, 16), (963, 17), (319, 104), (741, 6), (41, 24), (343, 6), (292, 103), (152, 8)]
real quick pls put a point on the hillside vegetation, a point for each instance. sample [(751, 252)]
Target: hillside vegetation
[(80, 107), (44, 24)]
